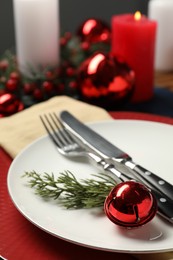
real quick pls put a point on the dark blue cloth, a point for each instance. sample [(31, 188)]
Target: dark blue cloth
[(160, 104)]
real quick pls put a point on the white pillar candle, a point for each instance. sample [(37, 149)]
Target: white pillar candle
[(162, 12), (36, 33)]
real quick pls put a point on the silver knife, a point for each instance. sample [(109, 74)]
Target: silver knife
[(111, 153), (165, 205)]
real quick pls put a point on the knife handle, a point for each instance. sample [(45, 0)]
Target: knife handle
[(155, 181), (165, 205)]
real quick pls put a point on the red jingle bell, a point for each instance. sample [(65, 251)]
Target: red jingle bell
[(104, 81), (130, 204)]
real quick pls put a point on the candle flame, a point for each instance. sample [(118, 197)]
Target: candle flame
[(137, 16)]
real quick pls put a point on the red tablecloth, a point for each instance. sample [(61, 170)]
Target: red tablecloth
[(21, 240)]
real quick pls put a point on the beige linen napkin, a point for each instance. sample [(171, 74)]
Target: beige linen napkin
[(19, 130)]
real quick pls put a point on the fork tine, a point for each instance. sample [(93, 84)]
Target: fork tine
[(44, 122), (63, 131), (51, 130), (56, 130), (63, 141)]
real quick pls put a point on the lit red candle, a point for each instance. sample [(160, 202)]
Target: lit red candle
[(133, 41)]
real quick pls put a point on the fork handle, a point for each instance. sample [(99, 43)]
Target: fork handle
[(101, 163), (152, 179)]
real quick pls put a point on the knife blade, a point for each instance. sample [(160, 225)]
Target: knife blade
[(110, 152)]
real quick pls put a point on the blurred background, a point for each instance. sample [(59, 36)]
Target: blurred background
[(72, 14)]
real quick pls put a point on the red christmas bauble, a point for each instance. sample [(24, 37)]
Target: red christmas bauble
[(105, 81), (130, 204), (9, 104), (94, 31), (11, 84)]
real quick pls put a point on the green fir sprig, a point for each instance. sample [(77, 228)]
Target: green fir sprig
[(86, 193)]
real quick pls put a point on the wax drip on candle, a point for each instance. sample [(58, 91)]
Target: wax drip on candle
[(137, 16)]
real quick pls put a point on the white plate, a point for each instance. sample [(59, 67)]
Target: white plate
[(149, 143)]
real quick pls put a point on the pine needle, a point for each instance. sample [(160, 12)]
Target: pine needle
[(86, 193)]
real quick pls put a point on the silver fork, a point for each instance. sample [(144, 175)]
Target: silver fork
[(68, 146)]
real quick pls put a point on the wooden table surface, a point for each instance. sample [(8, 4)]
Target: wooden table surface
[(164, 80)]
